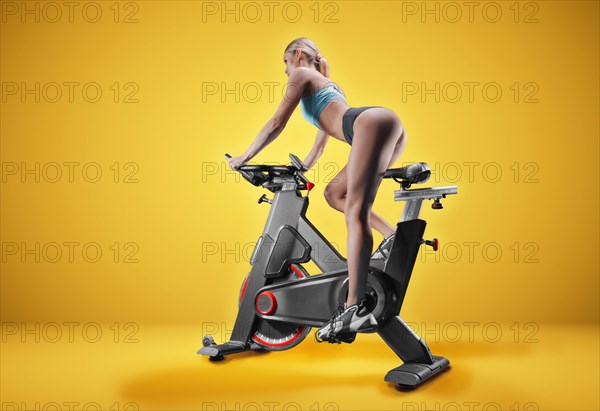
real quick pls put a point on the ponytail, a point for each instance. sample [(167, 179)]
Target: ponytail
[(322, 65)]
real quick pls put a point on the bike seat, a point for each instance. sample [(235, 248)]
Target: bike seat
[(415, 173)]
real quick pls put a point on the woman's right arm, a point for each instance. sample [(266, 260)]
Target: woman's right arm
[(317, 150), (275, 125)]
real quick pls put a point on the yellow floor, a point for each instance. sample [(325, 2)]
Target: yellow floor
[(162, 372)]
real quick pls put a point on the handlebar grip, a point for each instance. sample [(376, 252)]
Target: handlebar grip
[(297, 163), (253, 178)]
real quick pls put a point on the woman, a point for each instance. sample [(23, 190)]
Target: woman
[(377, 139)]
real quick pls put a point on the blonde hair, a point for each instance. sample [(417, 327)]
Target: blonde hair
[(311, 51)]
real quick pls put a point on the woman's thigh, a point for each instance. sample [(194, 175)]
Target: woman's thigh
[(376, 132)]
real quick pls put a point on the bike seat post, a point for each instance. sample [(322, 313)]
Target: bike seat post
[(411, 210)]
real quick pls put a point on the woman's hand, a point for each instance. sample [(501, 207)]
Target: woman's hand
[(235, 162)]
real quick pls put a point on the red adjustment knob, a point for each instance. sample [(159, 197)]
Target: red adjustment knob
[(309, 186), (435, 244), (437, 205)]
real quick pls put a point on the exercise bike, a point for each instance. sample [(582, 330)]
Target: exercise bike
[(279, 301)]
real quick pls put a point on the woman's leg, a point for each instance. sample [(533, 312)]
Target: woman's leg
[(335, 194), (399, 149), (377, 133)]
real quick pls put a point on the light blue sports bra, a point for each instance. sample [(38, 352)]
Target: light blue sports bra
[(313, 104)]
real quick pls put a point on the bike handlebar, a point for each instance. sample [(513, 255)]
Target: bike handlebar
[(254, 173), (254, 179)]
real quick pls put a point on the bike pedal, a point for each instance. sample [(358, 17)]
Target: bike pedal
[(344, 338), (348, 339)]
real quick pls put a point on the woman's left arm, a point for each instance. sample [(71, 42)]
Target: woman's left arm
[(317, 150), (276, 124)]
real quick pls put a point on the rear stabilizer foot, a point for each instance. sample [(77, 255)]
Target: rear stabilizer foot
[(410, 375)]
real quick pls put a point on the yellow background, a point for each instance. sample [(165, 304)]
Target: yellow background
[(186, 200)]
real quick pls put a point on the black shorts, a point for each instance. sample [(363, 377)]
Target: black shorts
[(348, 121)]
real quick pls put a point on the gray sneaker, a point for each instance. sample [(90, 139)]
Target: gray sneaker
[(384, 249), (345, 323)]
